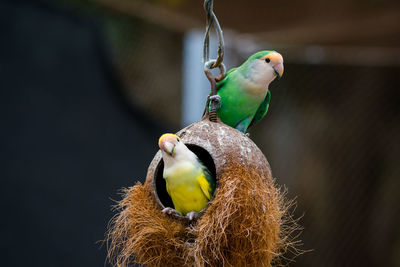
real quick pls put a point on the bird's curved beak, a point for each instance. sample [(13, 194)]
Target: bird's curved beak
[(166, 143), (277, 63), (168, 148), (278, 69)]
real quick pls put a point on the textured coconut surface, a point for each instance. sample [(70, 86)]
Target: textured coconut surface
[(245, 224)]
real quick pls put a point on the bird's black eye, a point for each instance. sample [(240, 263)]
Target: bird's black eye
[(177, 139), (267, 60)]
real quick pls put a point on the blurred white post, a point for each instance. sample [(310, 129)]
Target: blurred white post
[(195, 85)]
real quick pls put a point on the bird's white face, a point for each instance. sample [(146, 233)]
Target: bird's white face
[(266, 69), (172, 148)]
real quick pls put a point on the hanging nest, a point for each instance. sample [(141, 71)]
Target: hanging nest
[(242, 225)]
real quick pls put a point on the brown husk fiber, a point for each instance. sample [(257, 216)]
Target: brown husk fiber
[(243, 224), (142, 234), (241, 227)]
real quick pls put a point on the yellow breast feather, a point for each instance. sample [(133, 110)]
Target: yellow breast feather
[(189, 191)]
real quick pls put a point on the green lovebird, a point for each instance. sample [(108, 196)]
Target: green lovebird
[(189, 182), (244, 94)]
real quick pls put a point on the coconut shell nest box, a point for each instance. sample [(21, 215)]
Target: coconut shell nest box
[(242, 224)]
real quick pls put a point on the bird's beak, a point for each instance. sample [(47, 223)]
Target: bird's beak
[(277, 63), (166, 143), (278, 69), (167, 147)]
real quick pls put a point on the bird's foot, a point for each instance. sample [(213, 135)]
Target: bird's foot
[(192, 215), (215, 98), (170, 211)]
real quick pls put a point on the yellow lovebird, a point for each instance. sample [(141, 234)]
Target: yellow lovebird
[(189, 183)]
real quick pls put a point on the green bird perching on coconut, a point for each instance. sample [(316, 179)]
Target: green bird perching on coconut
[(243, 93)]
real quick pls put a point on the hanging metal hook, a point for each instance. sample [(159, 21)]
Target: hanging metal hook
[(212, 20), (213, 63)]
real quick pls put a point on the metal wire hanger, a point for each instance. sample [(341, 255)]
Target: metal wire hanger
[(213, 63)]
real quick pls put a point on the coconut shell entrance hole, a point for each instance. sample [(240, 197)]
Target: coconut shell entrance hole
[(160, 191)]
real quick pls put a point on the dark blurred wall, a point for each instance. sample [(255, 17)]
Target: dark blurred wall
[(68, 139), (332, 137)]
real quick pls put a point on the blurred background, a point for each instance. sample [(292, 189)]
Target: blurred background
[(87, 87)]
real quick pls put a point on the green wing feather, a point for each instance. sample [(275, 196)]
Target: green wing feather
[(262, 109)]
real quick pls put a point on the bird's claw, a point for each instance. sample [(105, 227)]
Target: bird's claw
[(215, 98), (192, 215), (169, 211)]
